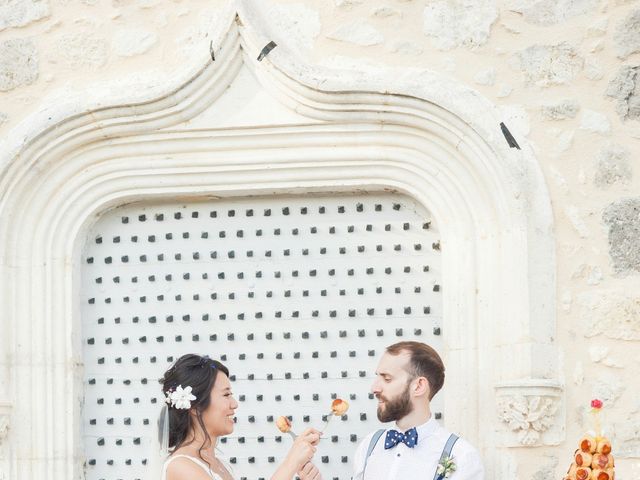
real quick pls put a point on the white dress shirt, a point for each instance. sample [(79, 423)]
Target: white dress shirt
[(420, 462)]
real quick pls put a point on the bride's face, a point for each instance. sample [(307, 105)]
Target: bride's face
[(218, 417)]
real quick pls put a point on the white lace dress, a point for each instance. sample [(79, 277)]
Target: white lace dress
[(204, 466)]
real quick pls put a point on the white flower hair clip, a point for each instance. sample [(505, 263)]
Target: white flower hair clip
[(180, 398)]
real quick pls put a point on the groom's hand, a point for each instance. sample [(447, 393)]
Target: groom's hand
[(309, 472)]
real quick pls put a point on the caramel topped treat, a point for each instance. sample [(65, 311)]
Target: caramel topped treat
[(588, 444), (582, 459), (604, 446), (339, 407), (283, 424)]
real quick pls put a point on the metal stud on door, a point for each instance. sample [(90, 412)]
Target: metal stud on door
[(297, 295)]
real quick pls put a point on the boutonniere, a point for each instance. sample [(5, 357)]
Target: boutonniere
[(446, 467)]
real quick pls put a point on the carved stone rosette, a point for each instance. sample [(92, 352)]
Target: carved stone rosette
[(531, 413)]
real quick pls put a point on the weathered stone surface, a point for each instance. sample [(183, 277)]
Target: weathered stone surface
[(627, 35), (385, 12), (18, 63), (550, 12), (601, 354), (348, 3), (3, 118), (592, 68), (578, 374), (131, 42), (548, 64), (516, 118), (17, 13), (564, 143), (625, 88), (592, 274), (457, 23), (504, 90), (612, 166), (83, 49), (295, 25), (486, 76), (546, 470), (405, 48), (623, 219), (627, 438), (595, 122), (608, 388), (359, 33), (560, 110), (573, 214), (598, 28)]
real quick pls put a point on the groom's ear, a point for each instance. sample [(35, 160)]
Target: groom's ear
[(421, 387)]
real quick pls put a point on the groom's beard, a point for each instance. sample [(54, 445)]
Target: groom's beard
[(395, 409)]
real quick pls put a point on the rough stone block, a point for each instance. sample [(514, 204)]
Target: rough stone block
[(131, 42), (457, 23), (610, 313), (295, 25), (627, 35), (613, 166), (385, 12), (359, 33), (627, 438), (82, 49), (623, 220), (550, 12), (18, 63), (560, 110), (593, 68), (625, 88), (486, 76), (405, 48), (548, 64), (18, 13), (348, 3), (595, 122)]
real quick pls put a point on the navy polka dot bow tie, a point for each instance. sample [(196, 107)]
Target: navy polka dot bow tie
[(409, 438)]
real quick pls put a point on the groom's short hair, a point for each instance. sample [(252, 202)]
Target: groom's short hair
[(424, 361)]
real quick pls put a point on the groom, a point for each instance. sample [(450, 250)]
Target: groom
[(408, 376)]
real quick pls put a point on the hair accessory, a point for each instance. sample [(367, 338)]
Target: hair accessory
[(206, 360), (180, 398)]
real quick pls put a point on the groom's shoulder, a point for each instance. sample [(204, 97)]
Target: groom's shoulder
[(366, 441), (462, 446)]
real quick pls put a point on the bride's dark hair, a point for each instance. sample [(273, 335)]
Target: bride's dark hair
[(199, 373)]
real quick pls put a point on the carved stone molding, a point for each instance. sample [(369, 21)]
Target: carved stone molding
[(5, 421), (532, 413), (421, 134)]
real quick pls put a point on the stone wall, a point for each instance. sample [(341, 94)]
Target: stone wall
[(565, 74)]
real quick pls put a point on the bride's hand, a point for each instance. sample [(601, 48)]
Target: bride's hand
[(304, 448), (309, 472)]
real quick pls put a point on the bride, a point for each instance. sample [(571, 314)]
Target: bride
[(200, 409)]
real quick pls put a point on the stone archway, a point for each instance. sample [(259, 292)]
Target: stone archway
[(436, 142)]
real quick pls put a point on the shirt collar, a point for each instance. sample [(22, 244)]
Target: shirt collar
[(427, 429)]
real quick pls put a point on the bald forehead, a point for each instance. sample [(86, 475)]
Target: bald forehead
[(394, 364)]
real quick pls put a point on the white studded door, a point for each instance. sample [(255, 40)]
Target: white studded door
[(298, 296)]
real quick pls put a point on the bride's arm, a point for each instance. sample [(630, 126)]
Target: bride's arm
[(300, 453)]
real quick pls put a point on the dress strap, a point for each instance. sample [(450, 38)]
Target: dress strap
[(203, 465)]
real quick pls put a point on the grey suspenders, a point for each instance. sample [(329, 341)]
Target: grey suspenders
[(372, 444), (446, 451)]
